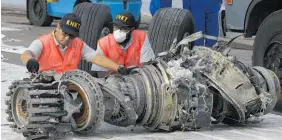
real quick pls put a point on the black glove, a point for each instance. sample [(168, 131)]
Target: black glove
[(123, 70), (32, 65)]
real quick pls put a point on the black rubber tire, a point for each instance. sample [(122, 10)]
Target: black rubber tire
[(270, 30), (44, 19), (79, 1), (94, 17), (138, 22), (168, 24)]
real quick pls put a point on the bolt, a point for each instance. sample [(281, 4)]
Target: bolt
[(9, 93), (168, 107), (7, 102), (9, 119), (11, 87), (15, 82), (9, 107), (7, 110)]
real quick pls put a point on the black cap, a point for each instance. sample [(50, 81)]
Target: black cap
[(124, 19), (70, 24)]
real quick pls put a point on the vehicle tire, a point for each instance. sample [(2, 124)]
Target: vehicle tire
[(168, 24), (37, 11), (138, 22), (95, 23), (268, 47), (80, 1)]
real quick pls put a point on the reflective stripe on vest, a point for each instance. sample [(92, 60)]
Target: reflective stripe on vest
[(51, 58), (131, 57)]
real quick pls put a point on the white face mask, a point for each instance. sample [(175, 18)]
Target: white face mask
[(120, 35)]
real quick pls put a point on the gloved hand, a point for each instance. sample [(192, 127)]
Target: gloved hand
[(123, 70), (32, 65)]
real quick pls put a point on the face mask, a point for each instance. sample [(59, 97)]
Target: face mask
[(120, 35)]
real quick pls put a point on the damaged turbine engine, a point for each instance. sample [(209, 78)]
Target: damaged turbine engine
[(178, 91)]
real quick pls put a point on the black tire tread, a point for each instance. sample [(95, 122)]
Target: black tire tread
[(47, 21), (94, 17), (270, 27), (266, 26), (167, 24)]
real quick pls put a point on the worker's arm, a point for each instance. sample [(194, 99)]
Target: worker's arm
[(95, 67), (33, 51), (26, 56), (147, 52), (94, 57), (30, 56), (105, 62)]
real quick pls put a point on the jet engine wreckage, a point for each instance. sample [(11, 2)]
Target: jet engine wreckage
[(181, 90)]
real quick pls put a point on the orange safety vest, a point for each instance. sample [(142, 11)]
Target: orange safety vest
[(51, 58), (131, 57)]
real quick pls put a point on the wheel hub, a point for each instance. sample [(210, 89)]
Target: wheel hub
[(273, 58), (37, 9), (276, 62), (20, 107), (81, 117)]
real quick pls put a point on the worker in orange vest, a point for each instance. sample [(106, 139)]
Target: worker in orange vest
[(61, 50), (126, 46)]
